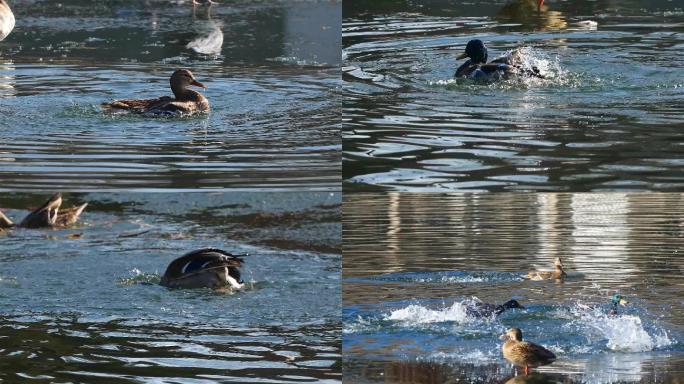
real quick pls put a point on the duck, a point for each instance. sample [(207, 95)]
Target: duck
[(6, 20), (185, 102), (615, 301), (558, 274), (50, 215), (205, 268), (523, 353), (476, 67), (480, 309)]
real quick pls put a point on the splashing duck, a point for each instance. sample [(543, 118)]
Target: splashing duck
[(48, 215), (6, 20), (205, 268), (480, 309), (558, 274), (185, 103), (476, 67), (523, 353), (615, 301)]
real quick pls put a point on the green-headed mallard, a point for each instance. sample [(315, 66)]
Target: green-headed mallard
[(185, 102), (558, 274), (615, 301), (50, 214), (476, 67), (205, 268), (6, 20), (523, 353)]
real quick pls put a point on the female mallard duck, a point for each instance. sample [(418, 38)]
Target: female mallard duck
[(480, 309), (558, 274), (476, 67), (523, 353), (50, 215), (186, 101), (205, 268), (6, 20)]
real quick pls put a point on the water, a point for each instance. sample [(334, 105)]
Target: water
[(414, 262), (82, 304), (271, 71), (607, 117)]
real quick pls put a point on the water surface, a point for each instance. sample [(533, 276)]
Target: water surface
[(83, 304), (607, 116), (271, 68), (413, 263)]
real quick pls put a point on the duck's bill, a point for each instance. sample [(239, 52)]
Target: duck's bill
[(198, 84), (462, 56), (623, 302)]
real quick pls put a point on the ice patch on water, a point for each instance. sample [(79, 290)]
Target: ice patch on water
[(418, 314)]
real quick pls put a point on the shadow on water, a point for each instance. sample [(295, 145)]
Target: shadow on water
[(270, 69), (83, 304), (416, 264), (605, 118)]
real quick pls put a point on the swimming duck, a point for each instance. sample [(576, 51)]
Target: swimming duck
[(205, 268), (523, 353), (6, 20), (50, 214), (558, 274), (480, 309), (186, 101), (476, 67), (615, 301)]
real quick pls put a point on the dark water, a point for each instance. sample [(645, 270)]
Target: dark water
[(413, 263), (272, 69), (72, 309), (607, 117)]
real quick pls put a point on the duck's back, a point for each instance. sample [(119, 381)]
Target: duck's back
[(526, 353)]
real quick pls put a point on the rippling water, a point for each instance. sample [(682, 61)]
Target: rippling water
[(82, 304), (607, 117), (413, 263), (271, 73)]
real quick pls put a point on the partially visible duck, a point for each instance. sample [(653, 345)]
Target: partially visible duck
[(558, 274), (480, 309), (523, 353), (6, 20), (50, 214), (185, 101), (476, 67), (205, 268), (615, 301)]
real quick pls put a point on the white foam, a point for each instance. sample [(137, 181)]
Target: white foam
[(417, 314)]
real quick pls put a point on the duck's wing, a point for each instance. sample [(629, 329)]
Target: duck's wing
[(45, 215), (138, 106), (68, 217), (533, 352), (202, 260)]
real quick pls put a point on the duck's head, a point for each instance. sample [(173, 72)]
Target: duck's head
[(618, 299), (181, 79), (512, 304), (45, 215), (558, 263), (513, 334), (476, 51)]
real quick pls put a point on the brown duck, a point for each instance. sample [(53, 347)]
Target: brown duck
[(523, 353), (558, 274), (6, 20), (184, 103), (50, 215)]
